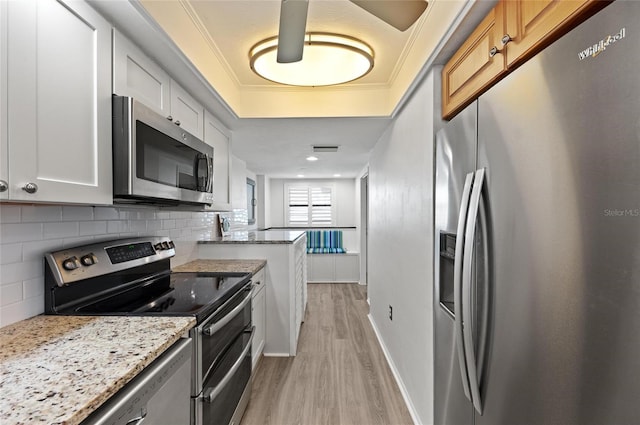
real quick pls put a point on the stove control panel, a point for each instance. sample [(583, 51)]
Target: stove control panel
[(87, 261)]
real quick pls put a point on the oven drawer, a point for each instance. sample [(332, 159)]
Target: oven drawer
[(225, 393), (215, 335)]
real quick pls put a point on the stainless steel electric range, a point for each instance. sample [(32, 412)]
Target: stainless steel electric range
[(133, 277)]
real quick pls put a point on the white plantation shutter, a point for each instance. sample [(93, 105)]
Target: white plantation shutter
[(298, 206), (310, 206), (320, 206)]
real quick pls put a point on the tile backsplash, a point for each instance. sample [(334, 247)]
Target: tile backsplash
[(27, 232)]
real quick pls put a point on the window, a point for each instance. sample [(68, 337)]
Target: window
[(251, 201), (309, 206)]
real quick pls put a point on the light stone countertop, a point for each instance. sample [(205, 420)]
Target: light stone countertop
[(59, 369), (258, 237), (222, 266)]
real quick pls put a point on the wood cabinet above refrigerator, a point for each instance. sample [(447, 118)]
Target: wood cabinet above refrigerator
[(512, 32)]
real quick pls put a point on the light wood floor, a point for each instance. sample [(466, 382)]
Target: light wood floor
[(340, 375)]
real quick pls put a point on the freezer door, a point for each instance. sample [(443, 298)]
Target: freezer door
[(455, 157), (560, 140)]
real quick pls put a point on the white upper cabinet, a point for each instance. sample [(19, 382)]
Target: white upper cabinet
[(137, 76), (186, 111), (58, 102), (218, 139), (4, 160)]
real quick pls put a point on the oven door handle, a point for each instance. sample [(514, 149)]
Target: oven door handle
[(209, 394), (212, 329)]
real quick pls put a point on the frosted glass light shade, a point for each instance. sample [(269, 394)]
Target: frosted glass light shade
[(328, 59)]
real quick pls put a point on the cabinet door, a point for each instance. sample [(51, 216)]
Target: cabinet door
[(137, 76), (4, 160), (534, 24), (217, 138), (474, 67), (186, 111), (59, 102), (259, 316), (347, 268)]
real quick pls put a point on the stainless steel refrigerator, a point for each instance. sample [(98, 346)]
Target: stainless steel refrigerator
[(537, 250)]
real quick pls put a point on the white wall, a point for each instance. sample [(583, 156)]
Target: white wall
[(400, 245), (345, 200)]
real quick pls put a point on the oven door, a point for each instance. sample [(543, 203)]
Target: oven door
[(216, 334), (228, 388)]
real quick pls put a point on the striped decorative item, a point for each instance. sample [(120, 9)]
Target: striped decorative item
[(324, 242)]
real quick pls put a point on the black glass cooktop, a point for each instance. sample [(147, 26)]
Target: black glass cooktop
[(175, 294)]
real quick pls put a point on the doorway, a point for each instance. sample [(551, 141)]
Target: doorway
[(364, 229)]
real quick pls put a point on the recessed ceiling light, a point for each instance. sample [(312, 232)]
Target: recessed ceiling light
[(300, 175), (312, 158), (336, 175), (328, 59)]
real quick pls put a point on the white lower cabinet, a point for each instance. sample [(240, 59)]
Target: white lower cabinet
[(258, 316), (334, 267), (58, 102)]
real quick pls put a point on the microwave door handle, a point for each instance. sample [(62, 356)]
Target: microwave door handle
[(209, 174), (196, 171)]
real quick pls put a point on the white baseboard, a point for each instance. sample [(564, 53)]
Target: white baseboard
[(396, 375), (276, 354)]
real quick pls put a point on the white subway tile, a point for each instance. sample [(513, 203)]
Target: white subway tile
[(72, 213), (10, 293), (19, 232), (153, 225), (33, 287), (168, 224), (32, 251), (71, 242), (138, 226), (60, 230), (117, 226), (10, 253), (182, 223), (127, 235), (163, 215), (21, 310), (41, 213), (106, 213), (9, 214), (93, 228), (15, 272)]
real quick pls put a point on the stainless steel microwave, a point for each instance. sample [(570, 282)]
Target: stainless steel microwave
[(156, 161)]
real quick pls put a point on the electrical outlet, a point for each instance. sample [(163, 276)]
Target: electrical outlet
[(390, 312)]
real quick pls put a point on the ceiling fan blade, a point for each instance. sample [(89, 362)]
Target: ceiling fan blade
[(400, 14), (293, 23)]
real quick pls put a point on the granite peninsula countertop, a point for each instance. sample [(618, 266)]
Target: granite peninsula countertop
[(257, 237), (59, 369), (222, 266)]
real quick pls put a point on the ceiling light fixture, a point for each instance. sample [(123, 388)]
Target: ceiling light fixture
[(312, 158), (336, 175), (328, 59), (300, 175)]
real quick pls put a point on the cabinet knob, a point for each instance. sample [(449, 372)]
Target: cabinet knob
[(30, 188), (3, 186), (494, 51), (170, 118), (506, 39), (177, 122)]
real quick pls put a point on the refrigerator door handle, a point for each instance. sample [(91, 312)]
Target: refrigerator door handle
[(457, 283), (467, 269)]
